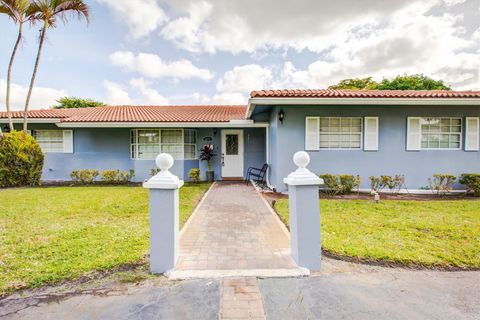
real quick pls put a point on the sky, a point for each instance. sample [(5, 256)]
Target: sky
[(158, 52)]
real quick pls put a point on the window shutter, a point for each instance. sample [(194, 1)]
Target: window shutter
[(371, 134), (414, 134), (67, 141), (472, 135), (312, 133)]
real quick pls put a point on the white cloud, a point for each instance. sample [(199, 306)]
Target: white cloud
[(142, 17), (152, 66), (138, 91), (410, 43), (250, 25), (245, 78), (42, 97), (150, 95), (229, 98), (116, 93)]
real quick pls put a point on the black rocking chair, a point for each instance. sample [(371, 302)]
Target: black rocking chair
[(258, 175)]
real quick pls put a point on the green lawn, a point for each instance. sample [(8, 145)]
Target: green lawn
[(443, 234), (56, 233)]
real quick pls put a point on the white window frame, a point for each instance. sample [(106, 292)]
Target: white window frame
[(361, 133), (67, 146), (460, 134), (134, 145)]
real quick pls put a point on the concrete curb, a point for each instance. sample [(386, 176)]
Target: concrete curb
[(263, 273)]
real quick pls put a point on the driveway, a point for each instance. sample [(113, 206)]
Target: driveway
[(341, 291)]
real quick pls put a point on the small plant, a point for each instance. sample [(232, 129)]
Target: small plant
[(358, 181), (340, 183), (393, 183), (154, 171), (86, 176), (21, 160), (207, 154), (194, 175), (347, 183), (442, 183), (332, 183), (376, 184), (126, 176), (117, 176), (472, 182)]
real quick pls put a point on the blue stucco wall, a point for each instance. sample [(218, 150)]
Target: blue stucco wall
[(109, 148), (392, 158)]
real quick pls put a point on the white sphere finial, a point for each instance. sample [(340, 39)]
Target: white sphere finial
[(164, 161), (301, 159)]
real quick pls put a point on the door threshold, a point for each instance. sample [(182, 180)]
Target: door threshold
[(232, 179)]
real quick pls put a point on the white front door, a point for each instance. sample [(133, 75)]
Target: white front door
[(232, 153)]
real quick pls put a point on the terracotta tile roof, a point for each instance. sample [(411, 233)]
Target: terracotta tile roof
[(328, 93), (184, 113)]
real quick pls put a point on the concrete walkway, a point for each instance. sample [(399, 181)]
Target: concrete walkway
[(234, 229)]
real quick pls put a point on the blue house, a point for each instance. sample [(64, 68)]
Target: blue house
[(367, 132)]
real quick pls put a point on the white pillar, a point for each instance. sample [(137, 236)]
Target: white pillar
[(304, 206), (164, 216)]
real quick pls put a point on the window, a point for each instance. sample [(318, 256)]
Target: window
[(146, 144), (441, 133), (49, 140), (172, 142), (340, 133), (189, 144)]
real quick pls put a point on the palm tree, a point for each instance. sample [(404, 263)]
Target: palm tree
[(47, 12), (17, 11)]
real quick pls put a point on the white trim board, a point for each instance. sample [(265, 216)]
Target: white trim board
[(31, 120), (233, 124)]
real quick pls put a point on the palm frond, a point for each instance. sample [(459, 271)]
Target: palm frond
[(75, 7), (49, 10), (15, 9)]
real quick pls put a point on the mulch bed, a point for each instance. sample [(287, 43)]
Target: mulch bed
[(383, 196)]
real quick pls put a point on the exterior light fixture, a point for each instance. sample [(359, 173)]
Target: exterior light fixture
[(214, 131), (281, 116)]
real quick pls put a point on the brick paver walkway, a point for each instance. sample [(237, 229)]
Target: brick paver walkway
[(234, 229), (240, 298)]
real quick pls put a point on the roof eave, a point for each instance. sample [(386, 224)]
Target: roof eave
[(252, 102), (32, 120), (217, 124)]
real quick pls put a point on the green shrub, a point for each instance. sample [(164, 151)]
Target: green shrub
[(21, 160), (442, 183), (194, 175), (154, 171), (87, 176), (394, 183), (340, 183), (117, 176), (472, 182)]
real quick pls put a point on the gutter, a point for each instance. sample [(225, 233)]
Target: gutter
[(253, 102), (32, 120)]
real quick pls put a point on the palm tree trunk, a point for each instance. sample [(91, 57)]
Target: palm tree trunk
[(9, 75), (32, 81)]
